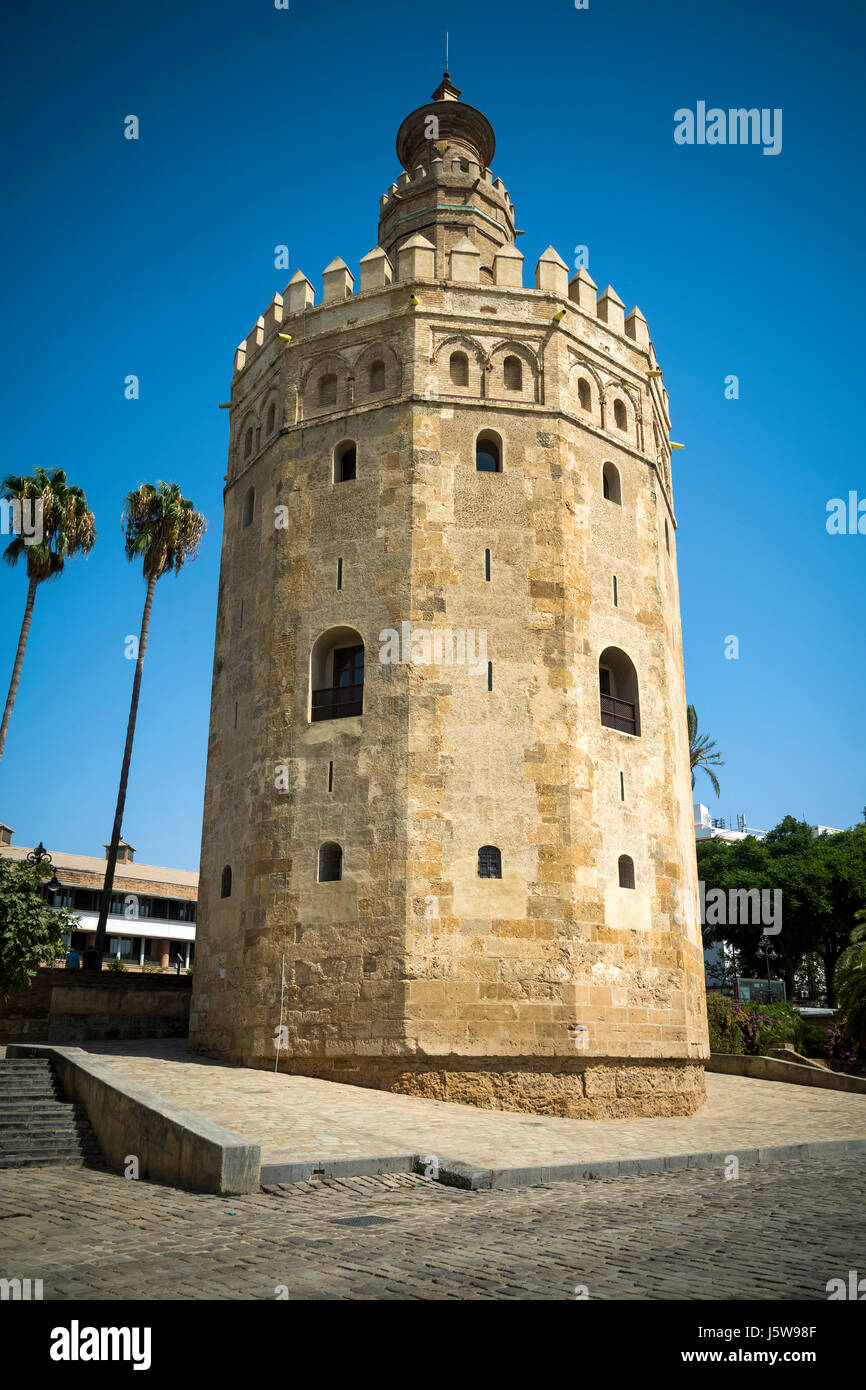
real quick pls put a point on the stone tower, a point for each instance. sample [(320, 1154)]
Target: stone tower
[(448, 843)]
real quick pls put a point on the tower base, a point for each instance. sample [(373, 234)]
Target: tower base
[(598, 1088)]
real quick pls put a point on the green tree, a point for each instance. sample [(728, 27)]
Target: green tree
[(822, 881), (851, 981), (702, 750), (164, 531), (30, 930), (67, 529)]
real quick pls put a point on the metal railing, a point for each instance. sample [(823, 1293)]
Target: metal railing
[(338, 702), (618, 714)]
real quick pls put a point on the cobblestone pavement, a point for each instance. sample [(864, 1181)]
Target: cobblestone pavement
[(302, 1119), (779, 1231)]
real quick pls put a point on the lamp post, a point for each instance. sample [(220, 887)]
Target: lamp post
[(766, 950), (40, 855)]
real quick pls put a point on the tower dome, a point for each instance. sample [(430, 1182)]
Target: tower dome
[(447, 192)]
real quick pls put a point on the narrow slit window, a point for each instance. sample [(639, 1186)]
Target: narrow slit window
[(621, 787), (490, 675), (615, 602), (487, 565), (340, 574), (330, 777)]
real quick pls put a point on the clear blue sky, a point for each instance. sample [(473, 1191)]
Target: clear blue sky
[(261, 126)]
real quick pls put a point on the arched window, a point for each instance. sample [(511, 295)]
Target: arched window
[(226, 882), (488, 452), (345, 462), (610, 484), (248, 442), (584, 395), (272, 417), (377, 376), (249, 503), (626, 871), (337, 675), (620, 418), (512, 369), (328, 389), (459, 369), (617, 681), (330, 862), (489, 862)]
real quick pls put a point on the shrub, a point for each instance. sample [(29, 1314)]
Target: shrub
[(115, 964), (725, 1034)]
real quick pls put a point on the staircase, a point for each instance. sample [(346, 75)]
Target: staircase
[(38, 1125)]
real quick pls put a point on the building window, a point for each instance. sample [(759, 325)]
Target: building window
[(621, 787), (620, 418), (330, 863), (226, 882), (345, 462), (459, 369), (618, 688), (626, 871), (489, 862), (339, 574), (337, 675), (328, 390), (487, 565), (248, 442), (488, 452), (272, 417), (513, 373), (377, 376), (667, 539), (584, 395), (249, 503), (610, 484), (615, 600)]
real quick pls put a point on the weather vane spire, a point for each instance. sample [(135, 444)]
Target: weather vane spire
[(446, 51)]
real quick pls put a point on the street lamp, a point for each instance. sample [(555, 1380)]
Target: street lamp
[(766, 950), (40, 855)]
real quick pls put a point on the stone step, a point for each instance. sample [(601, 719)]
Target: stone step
[(43, 1161), (20, 1066)]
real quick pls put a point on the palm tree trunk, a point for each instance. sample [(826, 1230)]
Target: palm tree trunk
[(94, 961), (19, 661)]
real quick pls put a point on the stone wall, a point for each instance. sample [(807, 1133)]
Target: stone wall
[(72, 1006)]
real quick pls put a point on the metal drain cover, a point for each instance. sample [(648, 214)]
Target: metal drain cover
[(362, 1221)]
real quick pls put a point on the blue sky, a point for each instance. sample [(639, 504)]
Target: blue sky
[(261, 127)]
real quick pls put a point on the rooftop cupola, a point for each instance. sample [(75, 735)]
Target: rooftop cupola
[(447, 191)]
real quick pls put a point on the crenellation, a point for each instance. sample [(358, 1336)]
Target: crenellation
[(611, 310), (337, 281), (298, 295), (551, 274)]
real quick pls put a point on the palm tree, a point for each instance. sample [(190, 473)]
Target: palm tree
[(850, 980), (165, 530), (702, 751), (67, 528)]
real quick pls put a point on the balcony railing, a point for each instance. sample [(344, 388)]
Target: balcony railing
[(338, 702), (618, 714)]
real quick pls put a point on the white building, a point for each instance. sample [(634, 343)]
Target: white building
[(153, 909)]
